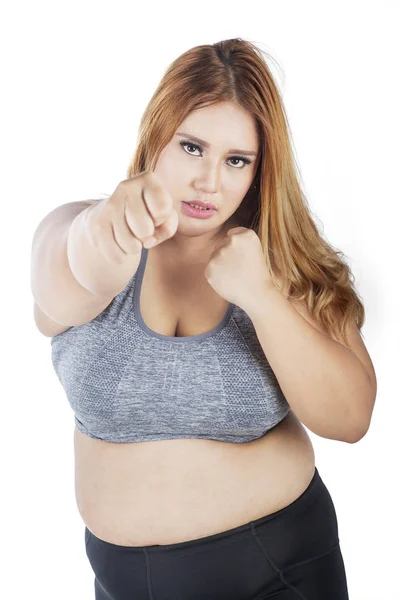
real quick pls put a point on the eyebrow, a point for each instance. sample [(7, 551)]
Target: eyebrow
[(207, 145)]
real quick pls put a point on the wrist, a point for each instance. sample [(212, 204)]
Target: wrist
[(258, 299)]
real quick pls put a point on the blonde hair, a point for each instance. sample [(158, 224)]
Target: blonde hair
[(303, 265)]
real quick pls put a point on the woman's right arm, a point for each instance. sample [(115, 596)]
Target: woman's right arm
[(73, 296), (85, 253)]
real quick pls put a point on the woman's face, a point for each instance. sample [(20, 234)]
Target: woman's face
[(209, 171)]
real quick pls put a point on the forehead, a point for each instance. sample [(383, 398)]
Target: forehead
[(222, 125)]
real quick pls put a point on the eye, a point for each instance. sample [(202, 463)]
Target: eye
[(183, 144), (244, 159)]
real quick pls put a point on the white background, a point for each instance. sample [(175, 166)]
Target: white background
[(76, 77)]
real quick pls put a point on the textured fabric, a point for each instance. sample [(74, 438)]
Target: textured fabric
[(291, 554), (127, 383)]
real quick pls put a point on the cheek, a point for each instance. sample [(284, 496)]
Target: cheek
[(237, 192)]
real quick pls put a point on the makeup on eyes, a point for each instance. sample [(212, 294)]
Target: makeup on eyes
[(246, 160)]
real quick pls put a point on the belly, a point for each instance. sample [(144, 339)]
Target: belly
[(170, 491)]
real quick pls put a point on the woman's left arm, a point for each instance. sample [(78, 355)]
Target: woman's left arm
[(330, 387)]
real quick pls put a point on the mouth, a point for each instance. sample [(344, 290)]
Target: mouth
[(199, 213), (202, 205)]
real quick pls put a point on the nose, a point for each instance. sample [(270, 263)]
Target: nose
[(208, 179)]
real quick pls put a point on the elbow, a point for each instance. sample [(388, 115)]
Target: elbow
[(357, 434), (355, 439), (362, 421)]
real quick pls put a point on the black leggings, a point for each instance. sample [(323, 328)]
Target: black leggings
[(290, 554)]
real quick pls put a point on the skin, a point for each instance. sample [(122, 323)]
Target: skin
[(210, 174), (176, 490)]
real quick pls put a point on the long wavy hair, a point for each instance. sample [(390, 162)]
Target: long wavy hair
[(302, 264)]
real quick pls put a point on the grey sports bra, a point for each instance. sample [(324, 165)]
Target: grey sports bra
[(128, 383)]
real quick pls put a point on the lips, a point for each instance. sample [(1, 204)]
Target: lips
[(203, 204)]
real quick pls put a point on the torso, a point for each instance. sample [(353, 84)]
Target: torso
[(170, 491)]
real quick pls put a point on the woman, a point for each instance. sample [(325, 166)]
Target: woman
[(195, 475)]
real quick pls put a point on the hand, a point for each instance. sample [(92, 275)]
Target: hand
[(140, 207), (237, 270)]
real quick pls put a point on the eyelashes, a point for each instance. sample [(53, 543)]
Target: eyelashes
[(244, 159)]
